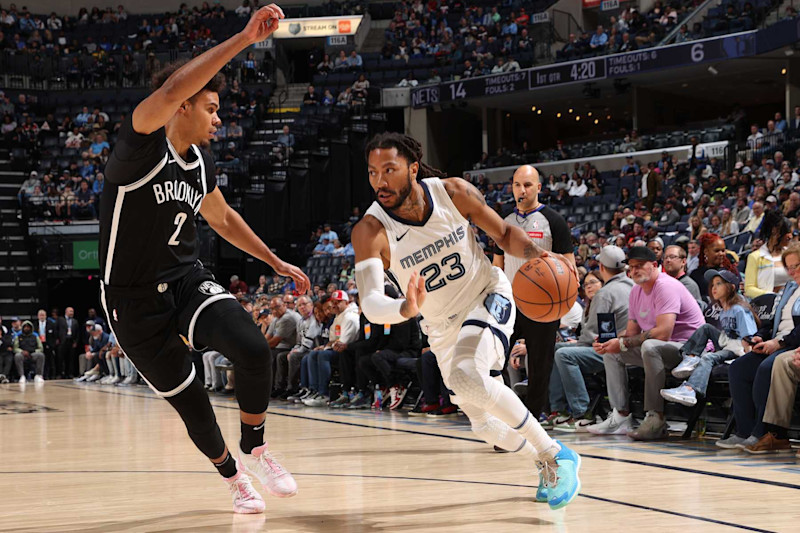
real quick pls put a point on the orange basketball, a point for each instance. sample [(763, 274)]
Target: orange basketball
[(545, 289)]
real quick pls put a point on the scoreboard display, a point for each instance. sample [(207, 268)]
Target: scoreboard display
[(589, 70)]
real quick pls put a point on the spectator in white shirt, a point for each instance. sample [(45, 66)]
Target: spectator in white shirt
[(243, 10), (755, 139), (578, 188)]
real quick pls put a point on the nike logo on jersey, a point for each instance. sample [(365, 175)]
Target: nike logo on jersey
[(177, 190), (403, 235)]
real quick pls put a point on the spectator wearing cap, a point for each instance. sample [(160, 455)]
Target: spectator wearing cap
[(737, 322), (328, 233), (769, 171), (765, 273), (578, 358), (343, 332), (28, 346), (669, 216), (324, 247), (662, 315), (750, 374), (675, 266), (237, 286), (229, 156)]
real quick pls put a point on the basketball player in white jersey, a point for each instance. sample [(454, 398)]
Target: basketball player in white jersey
[(418, 229)]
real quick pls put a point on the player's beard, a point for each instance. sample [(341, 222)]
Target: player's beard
[(204, 144), (400, 195)]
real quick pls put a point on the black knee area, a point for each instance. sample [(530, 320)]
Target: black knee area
[(193, 406), (228, 329)]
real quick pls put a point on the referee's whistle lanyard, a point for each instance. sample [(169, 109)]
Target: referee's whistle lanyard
[(529, 213)]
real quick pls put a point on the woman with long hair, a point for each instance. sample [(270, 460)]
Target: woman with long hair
[(696, 227), (729, 225), (712, 256), (765, 272)]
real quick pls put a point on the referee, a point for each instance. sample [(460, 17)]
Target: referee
[(549, 230)]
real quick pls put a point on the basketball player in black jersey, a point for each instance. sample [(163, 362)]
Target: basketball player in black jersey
[(159, 178)]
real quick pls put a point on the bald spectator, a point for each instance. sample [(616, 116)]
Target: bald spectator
[(282, 337), (289, 302), (662, 315), (675, 266), (755, 220)]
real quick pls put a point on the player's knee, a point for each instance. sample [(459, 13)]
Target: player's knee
[(467, 384)]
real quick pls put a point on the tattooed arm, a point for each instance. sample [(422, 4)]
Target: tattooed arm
[(472, 205)]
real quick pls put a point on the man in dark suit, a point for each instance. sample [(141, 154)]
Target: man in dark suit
[(68, 336), (794, 122), (45, 328)]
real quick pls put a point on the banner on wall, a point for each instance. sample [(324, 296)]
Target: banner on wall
[(317, 27), (85, 255)]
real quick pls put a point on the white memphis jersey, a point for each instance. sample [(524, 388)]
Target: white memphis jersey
[(442, 248)]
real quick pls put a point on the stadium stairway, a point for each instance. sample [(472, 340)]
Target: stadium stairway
[(18, 287)]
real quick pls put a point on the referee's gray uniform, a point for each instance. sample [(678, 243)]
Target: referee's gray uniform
[(548, 230)]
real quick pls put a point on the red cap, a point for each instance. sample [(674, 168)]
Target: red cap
[(340, 296)]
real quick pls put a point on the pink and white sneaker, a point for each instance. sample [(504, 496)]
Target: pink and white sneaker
[(246, 500), (263, 465)]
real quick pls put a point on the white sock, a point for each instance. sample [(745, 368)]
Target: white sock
[(496, 432)]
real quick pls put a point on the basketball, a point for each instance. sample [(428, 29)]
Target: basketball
[(545, 289)]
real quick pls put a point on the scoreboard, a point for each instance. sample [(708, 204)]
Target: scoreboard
[(593, 69)]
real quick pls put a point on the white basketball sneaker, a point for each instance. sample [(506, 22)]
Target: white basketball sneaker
[(263, 465), (246, 500)]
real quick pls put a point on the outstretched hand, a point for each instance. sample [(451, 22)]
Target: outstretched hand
[(301, 281), (415, 296), (263, 23)]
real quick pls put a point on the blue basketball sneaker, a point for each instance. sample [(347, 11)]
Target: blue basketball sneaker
[(541, 491), (560, 477)]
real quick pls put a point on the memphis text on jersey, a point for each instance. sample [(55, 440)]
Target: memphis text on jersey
[(179, 191), (432, 249)]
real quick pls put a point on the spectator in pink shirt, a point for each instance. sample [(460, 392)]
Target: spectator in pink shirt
[(662, 315)]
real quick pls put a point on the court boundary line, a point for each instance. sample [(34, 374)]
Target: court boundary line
[(410, 478), (733, 477)]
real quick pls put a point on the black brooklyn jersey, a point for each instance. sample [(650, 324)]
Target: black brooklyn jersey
[(148, 209)]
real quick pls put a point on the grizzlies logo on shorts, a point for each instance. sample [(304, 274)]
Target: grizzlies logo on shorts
[(499, 307)]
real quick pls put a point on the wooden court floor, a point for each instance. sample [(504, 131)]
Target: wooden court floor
[(97, 458)]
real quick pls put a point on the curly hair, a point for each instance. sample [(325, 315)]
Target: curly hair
[(408, 147), (707, 239), (214, 85)]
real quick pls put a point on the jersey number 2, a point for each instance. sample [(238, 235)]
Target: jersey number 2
[(180, 218), (456, 271)]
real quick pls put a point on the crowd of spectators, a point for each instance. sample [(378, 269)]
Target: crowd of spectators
[(61, 347)]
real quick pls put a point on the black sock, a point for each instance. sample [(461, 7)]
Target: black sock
[(227, 468), (252, 437), (779, 432)]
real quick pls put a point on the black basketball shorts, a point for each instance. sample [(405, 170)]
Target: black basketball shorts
[(149, 322)]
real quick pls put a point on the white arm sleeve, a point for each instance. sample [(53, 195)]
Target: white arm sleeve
[(376, 306)]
